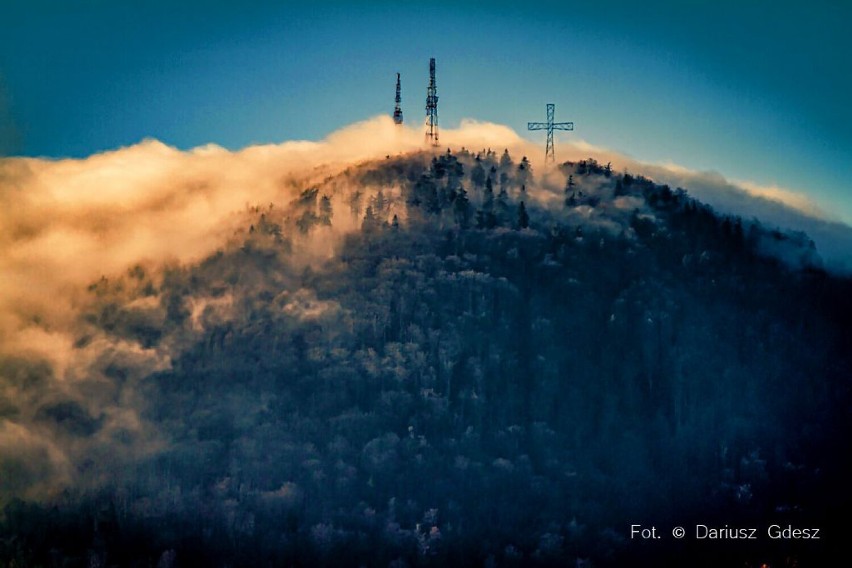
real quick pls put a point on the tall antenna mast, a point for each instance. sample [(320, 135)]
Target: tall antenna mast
[(397, 110), (432, 107)]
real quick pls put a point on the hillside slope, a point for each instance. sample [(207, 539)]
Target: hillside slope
[(444, 360)]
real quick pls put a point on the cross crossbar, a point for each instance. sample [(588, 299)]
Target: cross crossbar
[(550, 126)]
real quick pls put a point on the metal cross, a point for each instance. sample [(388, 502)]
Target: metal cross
[(550, 126)]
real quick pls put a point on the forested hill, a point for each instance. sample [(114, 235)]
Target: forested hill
[(454, 360)]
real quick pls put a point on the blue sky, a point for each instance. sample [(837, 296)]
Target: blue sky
[(757, 91)]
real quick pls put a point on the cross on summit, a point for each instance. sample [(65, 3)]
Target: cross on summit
[(550, 126)]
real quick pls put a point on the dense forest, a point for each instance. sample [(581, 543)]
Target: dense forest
[(444, 360)]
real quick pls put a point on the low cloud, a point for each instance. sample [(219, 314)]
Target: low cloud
[(68, 227), (785, 196), (72, 230)]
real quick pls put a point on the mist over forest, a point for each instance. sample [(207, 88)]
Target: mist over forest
[(439, 359)]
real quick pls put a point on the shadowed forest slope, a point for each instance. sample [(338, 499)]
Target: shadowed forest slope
[(444, 360)]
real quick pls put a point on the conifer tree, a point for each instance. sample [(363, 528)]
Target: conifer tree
[(523, 217)]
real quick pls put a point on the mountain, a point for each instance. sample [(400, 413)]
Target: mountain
[(436, 359)]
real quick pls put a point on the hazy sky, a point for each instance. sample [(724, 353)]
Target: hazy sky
[(758, 91)]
